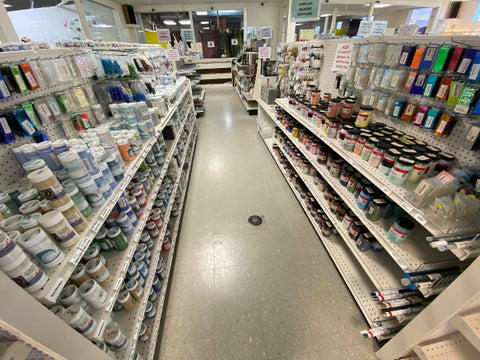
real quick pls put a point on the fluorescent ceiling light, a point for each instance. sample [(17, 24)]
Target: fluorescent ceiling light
[(102, 26), (325, 15), (379, 6), (184, 22), (204, 22), (201, 13), (169, 22), (298, 24), (7, 5)]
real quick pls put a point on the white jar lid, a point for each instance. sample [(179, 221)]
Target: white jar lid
[(43, 145), (51, 218), (33, 164), (40, 283), (15, 219), (26, 195), (122, 142), (65, 207), (15, 263), (59, 143), (78, 173), (68, 156), (30, 221)]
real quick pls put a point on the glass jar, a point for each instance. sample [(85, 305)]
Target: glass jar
[(345, 175), (348, 220), (326, 97), (388, 160), (315, 99), (376, 209), (350, 139), (335, 204), (352, 182), (364, 116), (295, 132), (322, 155), (333, 127), (364, 241), (377, 154), (356, 229), (327, 228), (409, 153), (347, 109), (342, 210), (400, 170), (368, 148), (400, 230), (422, 162), (360, 143), (343, 131), (365, 197), (334, 106), (336, 168)]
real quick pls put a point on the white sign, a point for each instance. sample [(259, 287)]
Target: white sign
[(365, 28), (163, 35), (172, 55), (234, 41), (187, 35), (265, 52), (343, 58), (250, 33), (266, 32), (378, 27), (211, 44)]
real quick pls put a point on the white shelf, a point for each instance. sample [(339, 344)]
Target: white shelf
[(379, 267), (59, 275), (396, 193), (456, 347), (147, 349), (118, 261), (216, 76), (415, 254), (130, 322), (469, 326), (246, 103), (353, 275)]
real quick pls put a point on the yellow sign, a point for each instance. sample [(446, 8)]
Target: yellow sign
[(307, 34), (151, 37)]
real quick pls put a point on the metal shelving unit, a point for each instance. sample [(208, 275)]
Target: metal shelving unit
[(413, 255)]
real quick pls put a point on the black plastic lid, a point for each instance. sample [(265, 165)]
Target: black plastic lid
[(383, 145), (420, 149), (406, 161), (405, 223), (433, 149), (335, 100), (354, 131), (366, 107), (446, 156), (380, 202), (422, 159)]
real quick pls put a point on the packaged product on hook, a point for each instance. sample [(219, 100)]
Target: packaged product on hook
[(392, 54), (417, 57), (419, 84), (4, 91), (363, 54), (443, 88), (409, 82), (378, 76), (465, 100), (409, 112), (398, 79), (444, 54), (27, 125), (456, 90), (31, 114), (387, 77), (475, 69), (7, 134), (431, 119), (19, 83), (455, 59), (445, 125), (429, 56), (42, 82), (376, 56), (29, 76), (430, 85), (406, 55), (466, 62), (420, 116), (43, 111)]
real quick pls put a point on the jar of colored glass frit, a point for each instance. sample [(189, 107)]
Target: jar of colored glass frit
[(368, 148), (400, 229), (363, 116), (421, 165), (400, 170), (388, 160), (334, 106), (376, 209), (364, 241)]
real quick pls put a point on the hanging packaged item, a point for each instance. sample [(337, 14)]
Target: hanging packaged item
[(456, 90), (409, 82), (4, 91), (363, 54), (419, 84), (445, 125), (442, 59), (397, 108), (27, 125), (7, 134), (465, 101), (376, 56), (409, 112), (475, 69), (378, 76), (14, 79), (443, 88), (430, 85), (43, 111), (392, 54), (29, 76), (429, 56), (467, 60), (387, 77), (431, 120), (31, 114), (420, 116), (398, 79), (406, 55), (455, 59), (417, 57), (472, 137), (37, 72)]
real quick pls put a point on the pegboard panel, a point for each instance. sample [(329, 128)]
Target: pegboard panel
[(452, 143)]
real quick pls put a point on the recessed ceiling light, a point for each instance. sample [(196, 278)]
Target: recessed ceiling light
[(184, 22), (201, 13), (204, 22), (169, 22)]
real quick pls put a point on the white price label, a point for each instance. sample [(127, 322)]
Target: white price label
[(132, 353), (386, 190), (398, 260), (100, 329), (125, 266), (131, 173), (97, 226), (76, 257), (420, 219), (118, 284), (105, 213), (326, 141), (85, 243), (137, 237), (130, 252), (55, 290), (110, 304), (405, 205), (137, 330)]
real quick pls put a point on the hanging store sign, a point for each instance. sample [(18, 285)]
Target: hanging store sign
[(172, 55), (343, 58), (266, 32), (163, 35), (305, 10), (265, 52), (187, 35)]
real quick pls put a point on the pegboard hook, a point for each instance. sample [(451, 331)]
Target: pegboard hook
[(459, 42)]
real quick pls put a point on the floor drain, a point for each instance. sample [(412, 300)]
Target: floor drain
[(255, 220)]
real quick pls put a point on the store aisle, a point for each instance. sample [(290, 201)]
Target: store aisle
[(243, 292)]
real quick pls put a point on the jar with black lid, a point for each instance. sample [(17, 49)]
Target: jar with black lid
[(376, 209), (364, 241), (388, 160), (356, 229), (345, 175)]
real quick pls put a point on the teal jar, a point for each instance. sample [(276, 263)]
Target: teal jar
[(400, 170), (388, 160), (400, 229)]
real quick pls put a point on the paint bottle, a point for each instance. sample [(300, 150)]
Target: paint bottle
[(71, 296), (93, 294), (117, 340), (126, 300), (56, 225), (77, 317), (79, 275), (49, 186), (125, 150), (74, 216), (400, 230), (39, 244), (97, 271)]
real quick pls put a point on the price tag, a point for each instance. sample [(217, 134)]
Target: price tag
[(130, 252), (137, 329), (55, 290), (97, 226), (326, 141), (137, 237), (105, 213), (100, 329), (131, 173), (85, 243), (125, 266), (118, 284), (76, 257), (420, 219), (398, 260), (110, 304), (132, 353), (386, 190), (405, 205), (116, 197)]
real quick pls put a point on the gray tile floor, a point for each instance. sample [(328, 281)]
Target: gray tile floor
[(242, 292)]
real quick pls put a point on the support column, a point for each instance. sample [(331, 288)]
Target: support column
[(83, 19), (370, 11), (7, 31), (290, 25), (325, 24), (191, 24), (334, 20)]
